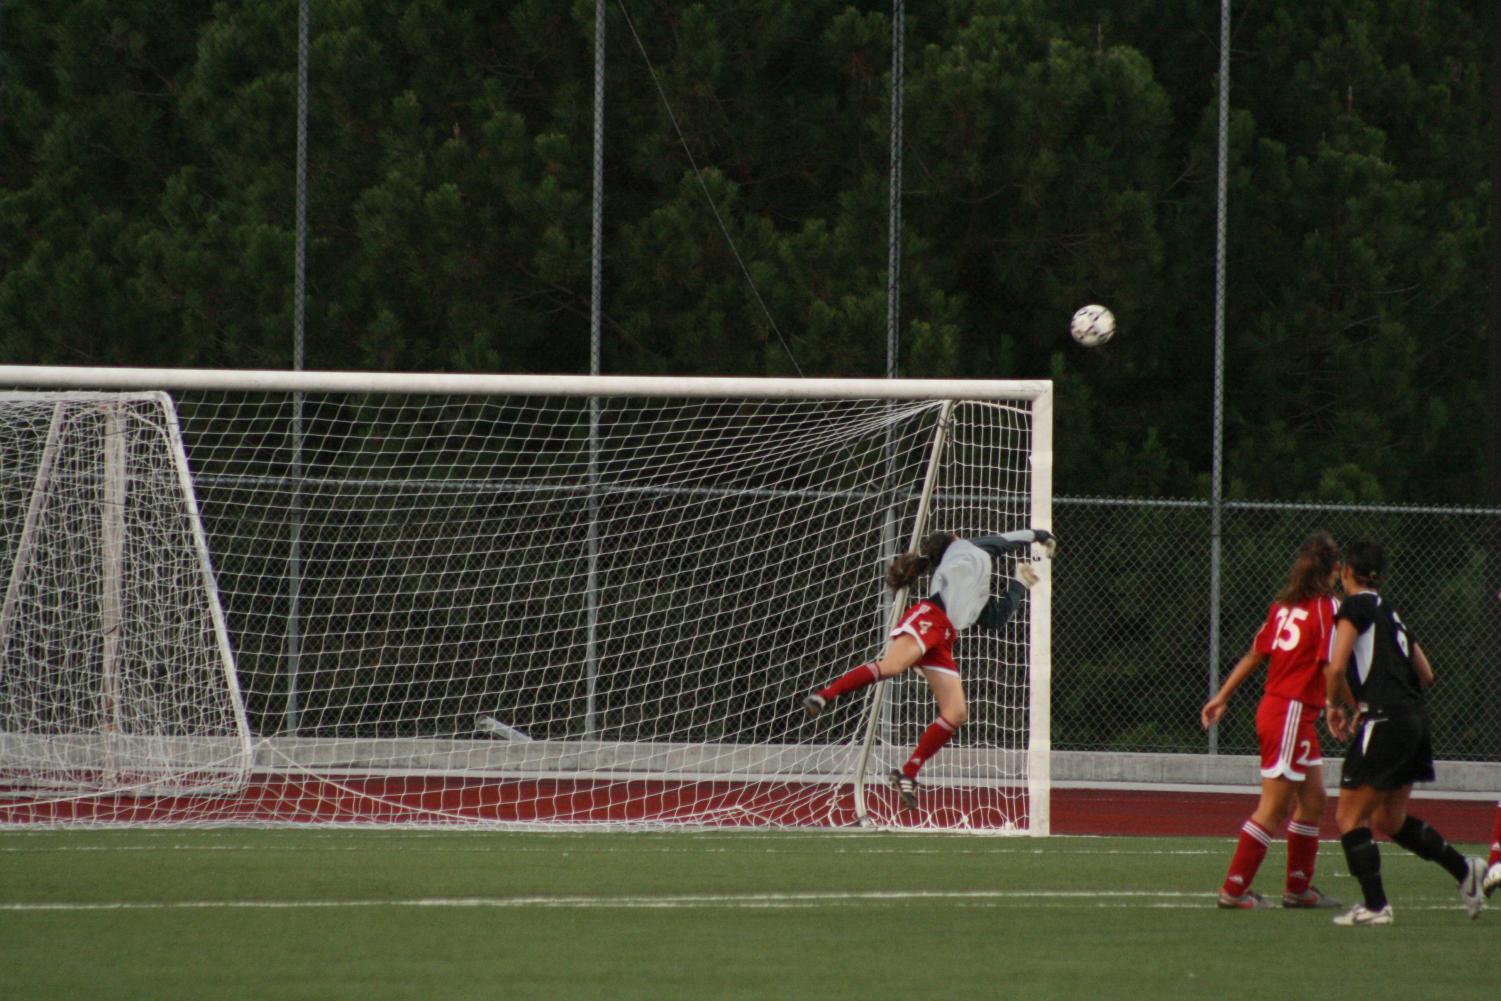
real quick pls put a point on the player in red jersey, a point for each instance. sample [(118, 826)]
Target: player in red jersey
[(959, 597), (1295, 642)]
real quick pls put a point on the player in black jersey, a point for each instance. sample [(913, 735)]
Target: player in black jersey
[(1375, 682)]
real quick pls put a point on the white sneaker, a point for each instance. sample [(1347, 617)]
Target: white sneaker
[(814, 703), (1492, 879), (1026, 574), (1361, 915), (1472, 887)]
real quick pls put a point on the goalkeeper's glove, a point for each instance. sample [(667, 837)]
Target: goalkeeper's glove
[(1047, 540)]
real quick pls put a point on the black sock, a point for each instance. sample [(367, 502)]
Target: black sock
[(1364, 861), (1428, 844)]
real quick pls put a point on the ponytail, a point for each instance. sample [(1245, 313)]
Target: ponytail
[(908, 567), (1317, 560), (1367, 561)]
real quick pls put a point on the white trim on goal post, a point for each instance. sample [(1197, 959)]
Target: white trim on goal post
[(996, 476), (206, 572), (1040, 646), (251, 380)]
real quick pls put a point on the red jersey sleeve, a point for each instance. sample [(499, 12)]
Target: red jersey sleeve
[(1267, 633)]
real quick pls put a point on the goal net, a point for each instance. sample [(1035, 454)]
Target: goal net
[(510, 601), (115, 668)]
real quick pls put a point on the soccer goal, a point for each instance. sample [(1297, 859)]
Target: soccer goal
[(504, 600)]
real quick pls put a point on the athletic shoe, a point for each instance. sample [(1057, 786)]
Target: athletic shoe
[(1050, 547), (1472, 887), (1248, 901), (1492, 878), (1312, 898), (905, 787), (814, 703), (1026, 574), (1361, 915)]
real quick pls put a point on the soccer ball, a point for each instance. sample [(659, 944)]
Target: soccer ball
[(1092, 326)]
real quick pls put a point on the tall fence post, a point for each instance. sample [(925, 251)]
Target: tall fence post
[(596, 313), (1216, 496), (293, 720)]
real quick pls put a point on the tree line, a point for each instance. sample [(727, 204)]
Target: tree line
[(1054, 154)]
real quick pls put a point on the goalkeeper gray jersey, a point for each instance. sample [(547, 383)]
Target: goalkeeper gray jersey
[(961, 582)]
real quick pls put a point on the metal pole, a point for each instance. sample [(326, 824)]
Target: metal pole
[(299, 314), (894, 223), (893, 321), (1216, 496), (591, 651)]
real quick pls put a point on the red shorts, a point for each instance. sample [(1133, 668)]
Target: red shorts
[(930, 626), (1289, 740)]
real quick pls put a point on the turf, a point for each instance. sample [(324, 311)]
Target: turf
[(370, 914)]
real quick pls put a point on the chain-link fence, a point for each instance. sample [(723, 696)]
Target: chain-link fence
[(1131, 616)]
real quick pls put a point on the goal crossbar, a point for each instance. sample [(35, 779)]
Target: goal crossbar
[(453, 384)]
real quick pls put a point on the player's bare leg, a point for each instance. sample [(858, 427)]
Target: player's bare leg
[(953, 711)]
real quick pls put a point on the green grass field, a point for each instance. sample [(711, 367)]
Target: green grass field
[(369, 914)]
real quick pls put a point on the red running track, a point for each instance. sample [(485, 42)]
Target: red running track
[(1149, 812), (374, 800)]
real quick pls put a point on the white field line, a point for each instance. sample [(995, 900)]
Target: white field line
[(1090, 899)]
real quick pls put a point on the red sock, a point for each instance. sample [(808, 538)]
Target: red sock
[(1496, 839), (1249, 851), (1302, 848), (851, 681), (935, 736)]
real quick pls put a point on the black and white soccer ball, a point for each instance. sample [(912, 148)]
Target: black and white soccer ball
[(1092, 326)]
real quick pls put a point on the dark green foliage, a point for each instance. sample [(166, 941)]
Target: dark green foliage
[(1055, 154)]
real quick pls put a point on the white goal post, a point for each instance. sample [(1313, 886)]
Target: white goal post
[(504, 600)]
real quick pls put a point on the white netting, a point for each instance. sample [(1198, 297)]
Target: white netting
[(115, 674), (511, 609)]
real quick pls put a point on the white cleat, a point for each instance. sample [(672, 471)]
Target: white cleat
[(814, 704), (1472, 888), (1360, 915), (1492, 879)]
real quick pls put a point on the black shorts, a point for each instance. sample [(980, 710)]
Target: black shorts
[(1389, 752)]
